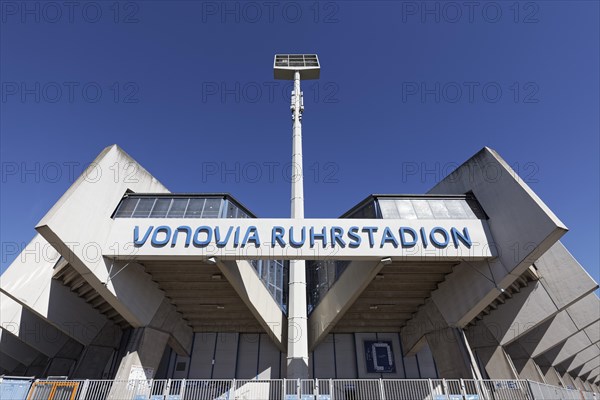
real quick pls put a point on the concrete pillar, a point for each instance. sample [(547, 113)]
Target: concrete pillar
[(141, 361), (449, 346), (451, 353), (98, 353), (144, 349), (578, 383), (38, 367), (495, 362), (527, 369), (568, 380), (491, 356), (8, 363), (525, 366), (552, 376), (244, 280), (15, 349), (340, 298)]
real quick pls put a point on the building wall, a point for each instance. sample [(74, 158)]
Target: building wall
[(252, 355)]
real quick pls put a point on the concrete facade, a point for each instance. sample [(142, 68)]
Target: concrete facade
[(73, 304)]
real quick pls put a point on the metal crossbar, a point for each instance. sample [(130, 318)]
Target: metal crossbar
[(293, 389)]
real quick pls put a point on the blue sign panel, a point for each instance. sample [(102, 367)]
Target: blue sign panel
[(379, 356)]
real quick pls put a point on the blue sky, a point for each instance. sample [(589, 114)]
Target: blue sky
[(186, 88)]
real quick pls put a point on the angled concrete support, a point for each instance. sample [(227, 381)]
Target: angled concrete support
[(101, 188), (489, 354), (254, 294), (9, 364), (567, 350), (30, 328), (568, 380), (338, 300), (28, 281), (124, 285), (525, 366), (93, 362), (589, 366), (583, 357), (551, 376), (593, 375), (449, 346), (452, 355), (532, 230), (563, 285), (17, 349), (583, 315), (524, 311), (144, 349)]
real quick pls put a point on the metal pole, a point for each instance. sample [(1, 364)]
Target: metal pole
[(297, 350), (297, 201)]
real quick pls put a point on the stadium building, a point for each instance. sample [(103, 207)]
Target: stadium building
[(125, 273), (127, 281)]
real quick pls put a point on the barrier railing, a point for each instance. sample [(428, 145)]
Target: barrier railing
[(290, 389)]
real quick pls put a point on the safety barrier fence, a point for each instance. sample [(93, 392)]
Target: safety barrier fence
[(286, 389)]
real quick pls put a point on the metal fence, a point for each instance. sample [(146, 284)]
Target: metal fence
[(290, 389)]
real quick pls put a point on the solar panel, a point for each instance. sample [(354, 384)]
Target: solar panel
[(285, 65)]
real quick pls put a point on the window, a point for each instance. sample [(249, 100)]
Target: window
[(274, 275), (178, 208), (161, 207), (212, 208), (194, 208), (143, 208), (165, 206), (126, 207), (432, 208)]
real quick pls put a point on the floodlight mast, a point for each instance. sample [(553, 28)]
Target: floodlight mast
[(297, 66)]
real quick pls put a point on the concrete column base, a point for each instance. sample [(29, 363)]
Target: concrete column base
[(450, 353), (551, 376), (297, 368), (568, 380), (496, 363), (527, 369), (145, 349)]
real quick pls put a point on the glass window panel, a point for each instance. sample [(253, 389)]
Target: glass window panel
[(254, 264), (405, 209), (161, 207), (422, 209), (194, 208), (455, 209), (468, 210), (265, 271), (143, 208), (439, 209), (271, 274), (366, 211), (178, 208), (232, 210), (126, 208), (388, 209), (211, 208)]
